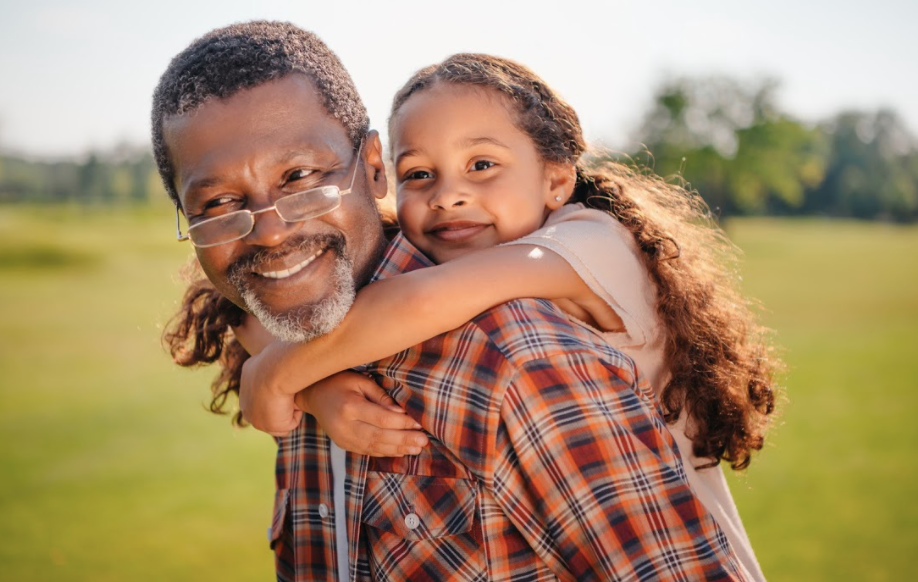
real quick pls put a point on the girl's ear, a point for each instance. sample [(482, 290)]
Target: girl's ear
[(374, 165), (560, 180)]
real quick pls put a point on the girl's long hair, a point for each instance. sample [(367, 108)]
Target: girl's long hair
[(201, 333), (722, 367)]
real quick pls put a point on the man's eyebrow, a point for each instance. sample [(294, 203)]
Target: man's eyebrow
[(312, 155), (284, 158), (203, 183)]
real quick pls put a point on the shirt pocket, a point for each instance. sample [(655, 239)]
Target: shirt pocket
[(417, 507), (281, 497)]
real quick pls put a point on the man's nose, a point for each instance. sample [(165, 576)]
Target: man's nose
[(448, 194), (270, 230)]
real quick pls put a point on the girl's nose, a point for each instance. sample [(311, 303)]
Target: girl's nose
[(448, 195)]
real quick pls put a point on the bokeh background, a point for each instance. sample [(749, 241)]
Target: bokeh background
[(796, 120)]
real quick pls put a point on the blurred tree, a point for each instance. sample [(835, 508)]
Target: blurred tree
[(121, 182), (872, 170), (732, 143), (120, 176), (92, 180)]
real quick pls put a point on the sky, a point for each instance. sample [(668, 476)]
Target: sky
[(78, 75)]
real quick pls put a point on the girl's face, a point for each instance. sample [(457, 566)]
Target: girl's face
[(466, 177)]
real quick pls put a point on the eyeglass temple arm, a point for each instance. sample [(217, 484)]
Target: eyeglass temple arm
[(178, 227), (354, 175)]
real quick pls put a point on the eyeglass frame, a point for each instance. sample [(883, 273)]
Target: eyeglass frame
[(180, 237)]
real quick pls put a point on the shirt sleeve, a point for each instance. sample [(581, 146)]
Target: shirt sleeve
[(587, 472), (603, 253)]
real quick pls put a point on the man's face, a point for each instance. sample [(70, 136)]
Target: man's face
[(246, 152)]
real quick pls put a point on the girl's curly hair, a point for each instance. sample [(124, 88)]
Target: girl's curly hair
[(201, 333)]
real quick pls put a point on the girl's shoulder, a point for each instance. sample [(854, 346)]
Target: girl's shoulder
[(593, 235), (605, 255), (578, 212)]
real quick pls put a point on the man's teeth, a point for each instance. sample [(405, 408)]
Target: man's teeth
[(292, 270)]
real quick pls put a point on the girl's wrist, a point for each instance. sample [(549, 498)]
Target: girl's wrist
[(301, 399)]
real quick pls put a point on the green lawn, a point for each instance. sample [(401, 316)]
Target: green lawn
[(832, 495), (112, 470)]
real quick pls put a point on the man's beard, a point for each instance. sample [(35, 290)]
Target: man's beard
[(302, 324)]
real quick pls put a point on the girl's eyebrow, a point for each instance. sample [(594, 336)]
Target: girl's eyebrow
[(466, 142), (406, 154), (474, 141)]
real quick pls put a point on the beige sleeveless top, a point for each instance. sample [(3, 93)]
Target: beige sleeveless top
[(605, 255)]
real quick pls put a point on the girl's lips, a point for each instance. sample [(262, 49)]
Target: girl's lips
[(456, 231)]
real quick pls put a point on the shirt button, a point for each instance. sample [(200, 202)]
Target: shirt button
[(412, 521), (323, 510)]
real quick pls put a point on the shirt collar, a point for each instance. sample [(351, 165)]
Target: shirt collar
[(400, 257)]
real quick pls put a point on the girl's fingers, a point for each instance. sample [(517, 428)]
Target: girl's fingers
[(380, 442), (382, 416)]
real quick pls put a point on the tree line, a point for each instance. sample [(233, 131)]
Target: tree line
[(734, 144), (730, 141), (125, 174)]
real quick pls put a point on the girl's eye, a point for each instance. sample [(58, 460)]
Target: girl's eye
[(480, 165), (417, 175)]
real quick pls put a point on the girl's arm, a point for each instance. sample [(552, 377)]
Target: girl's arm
[(394, 314)]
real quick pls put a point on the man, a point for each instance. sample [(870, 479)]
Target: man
[(547, 458)]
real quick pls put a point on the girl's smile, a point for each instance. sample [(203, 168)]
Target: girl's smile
[(457, 230)]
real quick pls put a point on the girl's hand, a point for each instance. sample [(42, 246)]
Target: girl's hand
[(265, 407), (361, 417), (252, 335)]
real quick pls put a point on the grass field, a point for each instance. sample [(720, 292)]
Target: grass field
[(112, 470)]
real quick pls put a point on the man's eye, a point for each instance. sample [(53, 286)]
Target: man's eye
[(220, 205), (480, 165), (299, 174)]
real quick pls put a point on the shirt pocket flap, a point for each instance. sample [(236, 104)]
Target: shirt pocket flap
[(281, 496), (419, 507)]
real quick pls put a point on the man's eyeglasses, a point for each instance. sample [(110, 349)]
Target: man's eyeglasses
[(295, 207)]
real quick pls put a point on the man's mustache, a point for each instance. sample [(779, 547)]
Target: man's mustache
[(307, 244)]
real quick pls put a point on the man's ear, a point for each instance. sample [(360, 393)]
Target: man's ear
[(560, 180), (374, 165)]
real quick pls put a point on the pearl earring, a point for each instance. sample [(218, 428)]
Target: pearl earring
[(557, 199)]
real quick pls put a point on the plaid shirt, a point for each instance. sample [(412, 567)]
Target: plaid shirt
[(548, 460)]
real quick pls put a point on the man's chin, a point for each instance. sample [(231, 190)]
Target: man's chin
[(307, 322), (289, 326)]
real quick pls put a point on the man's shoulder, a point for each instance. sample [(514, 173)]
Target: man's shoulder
[(527, 330), (520, 331)]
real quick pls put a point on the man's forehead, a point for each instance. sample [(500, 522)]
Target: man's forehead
[(292, 97), (285, 114)]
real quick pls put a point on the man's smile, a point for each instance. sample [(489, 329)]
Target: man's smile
[(290, 271)]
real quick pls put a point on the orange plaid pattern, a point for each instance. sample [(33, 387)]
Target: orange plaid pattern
[(549, 460)]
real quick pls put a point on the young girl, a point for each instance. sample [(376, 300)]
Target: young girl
[(485, 154)]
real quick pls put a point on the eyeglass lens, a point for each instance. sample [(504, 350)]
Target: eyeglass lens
[(293, 208)]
